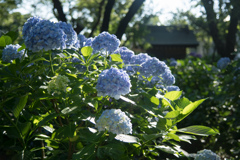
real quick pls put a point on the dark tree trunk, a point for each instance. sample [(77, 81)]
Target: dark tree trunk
[(107, 14), (60, 15), (232, 29), (224, 44), (99, 17), (124, 22)]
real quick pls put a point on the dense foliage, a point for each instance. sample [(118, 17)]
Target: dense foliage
[(220, 82), (57, 99)]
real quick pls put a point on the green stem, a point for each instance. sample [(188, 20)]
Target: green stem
[(50, 57)]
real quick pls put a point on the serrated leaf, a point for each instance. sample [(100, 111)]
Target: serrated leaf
[(154, 100), (173, 95), (173, 136), (68, 110), (161, 124), (47, 118), (116, 57), (166, 149), (151, 136), (172, 114), (12, 34), (86, 51), (198, 130), (22, 103), (8, 40), (2, 42), (183, 102)]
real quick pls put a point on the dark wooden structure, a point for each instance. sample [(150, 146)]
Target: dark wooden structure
[(170, 41)]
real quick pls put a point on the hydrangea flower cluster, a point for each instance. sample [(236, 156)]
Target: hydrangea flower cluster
[(206, 155), (10, 53), (152, 67), (72, 39), (139, 59), (115, 121), (113, 82), (172, 88), (173, 62), (168, 78), (58, 84), (106, 42), (81, 39), (223, 62), (45, 35), (126, 54)]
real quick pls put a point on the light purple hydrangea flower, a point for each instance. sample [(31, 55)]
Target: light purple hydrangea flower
[(46, 35), (105, 42), (206, 155), (10, 53), (72, 38), (153, 67), (115, 121), (27, 27), (113, 82), (172, 88), (223, 62)]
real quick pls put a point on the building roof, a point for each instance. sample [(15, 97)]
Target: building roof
[(171, 35)]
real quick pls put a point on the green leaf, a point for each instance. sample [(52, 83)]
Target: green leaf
[(88, 150), (116, 57), (166, 149), (183, 102), (126, 138), (13, 35), (199, 130), (173, 136), (127, 100), (154, 100), (2, 42), (68, 110), (161, 124), (24, 128), (8, 40), (86, 51), (189, 109), (47, 118), (173, 95), (20, 106), (148, 137), (172, 114)]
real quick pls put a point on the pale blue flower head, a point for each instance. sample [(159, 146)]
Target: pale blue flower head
[(82, 39), (88, 42), (10, 53), (172, 88), (115, 121), (27, 27), (126, 54), (223, 62), (72, 38), (46, 35), (139, 59), (167, 78), (206, 155), (113, 82), (105, 42), (152, 67)]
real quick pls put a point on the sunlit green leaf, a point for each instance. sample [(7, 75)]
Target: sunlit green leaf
[(173, 95), (86, 51), (199, 130), (22, 103), (154, 100), (116, 57), (172, 114)]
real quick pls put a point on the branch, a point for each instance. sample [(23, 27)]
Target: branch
[(61, 16), (107, 14), (124, 22)]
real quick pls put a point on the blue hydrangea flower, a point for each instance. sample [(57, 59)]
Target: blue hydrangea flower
[(167, 78), (46, 35), (223, 62), (115, 121), (105, 42), (82, 39), (155, 80), (80, 67), (27, 27), (206, 155), (172, 88), (152, 67), (72, 38), (173, 62), (113, 82), (126, 54), (10, 53), (88, 42), (139, 59)]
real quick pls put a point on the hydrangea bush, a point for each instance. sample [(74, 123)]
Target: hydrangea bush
[(89, 98)]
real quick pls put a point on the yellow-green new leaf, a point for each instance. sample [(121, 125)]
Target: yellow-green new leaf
[(173, 95)]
